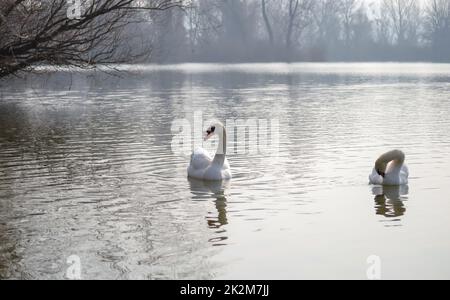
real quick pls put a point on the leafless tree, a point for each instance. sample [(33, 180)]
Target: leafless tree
[(267, 22), (299, 16), (203, 23), (383, 32), (327, 20), (437, 23), (349, 10), (49, 32), (403, 16)]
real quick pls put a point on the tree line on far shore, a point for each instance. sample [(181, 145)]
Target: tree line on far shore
[(42, 32), (307, 30)]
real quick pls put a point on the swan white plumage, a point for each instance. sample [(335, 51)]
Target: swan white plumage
[(205, 167), (390, 169)]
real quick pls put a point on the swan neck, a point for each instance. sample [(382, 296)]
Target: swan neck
[(222, 148), (396, 157)]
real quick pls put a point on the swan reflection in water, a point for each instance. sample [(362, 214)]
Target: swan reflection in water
[(389, 200), (213, 190)]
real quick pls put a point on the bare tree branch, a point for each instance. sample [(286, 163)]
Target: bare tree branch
[(40, 32)]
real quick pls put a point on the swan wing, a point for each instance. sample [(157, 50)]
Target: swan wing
[(200, 159), (391, 178), (226, 165), (375, 178), (226, 174), (404, 175)]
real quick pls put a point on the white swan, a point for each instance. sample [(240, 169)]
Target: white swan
[(390, 169), (203, 166)]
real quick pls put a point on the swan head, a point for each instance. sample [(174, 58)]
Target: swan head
[(380, 167), (216, 128)]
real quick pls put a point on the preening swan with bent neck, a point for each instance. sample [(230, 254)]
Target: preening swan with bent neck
[(205, 167), (390, 169)]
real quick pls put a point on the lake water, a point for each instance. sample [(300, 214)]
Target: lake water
[(87, 169)]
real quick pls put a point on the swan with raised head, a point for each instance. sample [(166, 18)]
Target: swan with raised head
[(205, 167), (390, 169)]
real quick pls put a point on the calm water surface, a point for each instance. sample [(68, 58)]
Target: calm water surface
[(86, 169)]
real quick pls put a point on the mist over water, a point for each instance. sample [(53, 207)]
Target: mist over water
[(87, 169)]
